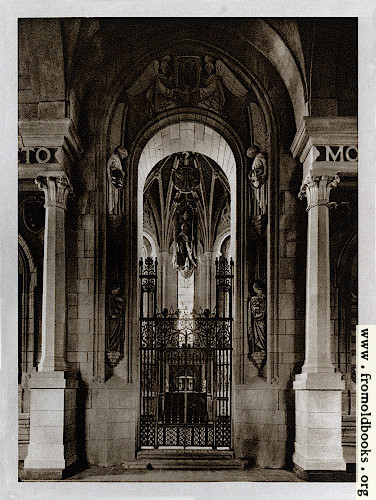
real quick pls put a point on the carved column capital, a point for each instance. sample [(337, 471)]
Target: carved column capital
[(317, 189), (56, 190)]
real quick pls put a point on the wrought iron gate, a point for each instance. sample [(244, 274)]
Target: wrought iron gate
[(186, 367)]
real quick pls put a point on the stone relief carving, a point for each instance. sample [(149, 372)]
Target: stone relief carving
[(115, 179), (257, 177), (162, 94), (33, 213), (115, 325), (210, 95), (257, 326), (178, 81)]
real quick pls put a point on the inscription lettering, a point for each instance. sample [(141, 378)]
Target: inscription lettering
[(337, 153), (37, 155)]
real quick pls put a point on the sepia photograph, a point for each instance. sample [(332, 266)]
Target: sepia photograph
[(187, 223)]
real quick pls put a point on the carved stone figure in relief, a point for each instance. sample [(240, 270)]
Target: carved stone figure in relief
[(257, 177), (162, 95), (211, 95), (257, 326), (115, 318), (115, 176), (174, 82)]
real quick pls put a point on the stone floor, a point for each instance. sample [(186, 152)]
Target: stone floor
[(119, 474), (116, 482)]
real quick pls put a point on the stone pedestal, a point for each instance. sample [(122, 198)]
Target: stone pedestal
[(318, 429), (52, 447)]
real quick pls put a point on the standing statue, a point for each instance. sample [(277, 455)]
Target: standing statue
[(211, 95), (162, 95), (115, 176), (115, 318), (257, 326), (257, 177), (185, 252)]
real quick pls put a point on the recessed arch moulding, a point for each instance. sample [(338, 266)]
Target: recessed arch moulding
[(187, 136), (205, 133)]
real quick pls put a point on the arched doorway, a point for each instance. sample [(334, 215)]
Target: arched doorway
[(186, 323), (185, 129)]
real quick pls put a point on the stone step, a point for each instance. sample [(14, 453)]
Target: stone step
[(186, 464), (185, 460), (186, 454)]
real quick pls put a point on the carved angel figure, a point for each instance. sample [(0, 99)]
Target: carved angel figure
[(162, 95), (211, 95), (161, 91), (115, 176), (257, 177)]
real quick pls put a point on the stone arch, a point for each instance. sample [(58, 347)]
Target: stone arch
[(188, 134), (263, 38), (28, 272), (153, 246), (237, 146), (268, 42), (346, 283)]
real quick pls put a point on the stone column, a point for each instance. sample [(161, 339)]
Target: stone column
[(52, 445), (318, 438), (56, 190), (163, 263), (325, 146), (208, 256)]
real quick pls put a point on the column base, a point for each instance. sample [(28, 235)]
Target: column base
[(53, 445), (327, 476), (318, 418), (53, 474)]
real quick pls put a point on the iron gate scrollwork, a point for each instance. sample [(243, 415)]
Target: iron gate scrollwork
[(186, 367)]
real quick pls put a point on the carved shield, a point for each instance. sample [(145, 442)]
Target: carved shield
[(33, 213), (186, 177), (187, 72)]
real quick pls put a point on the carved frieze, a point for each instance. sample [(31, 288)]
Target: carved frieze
[(186, 81)]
